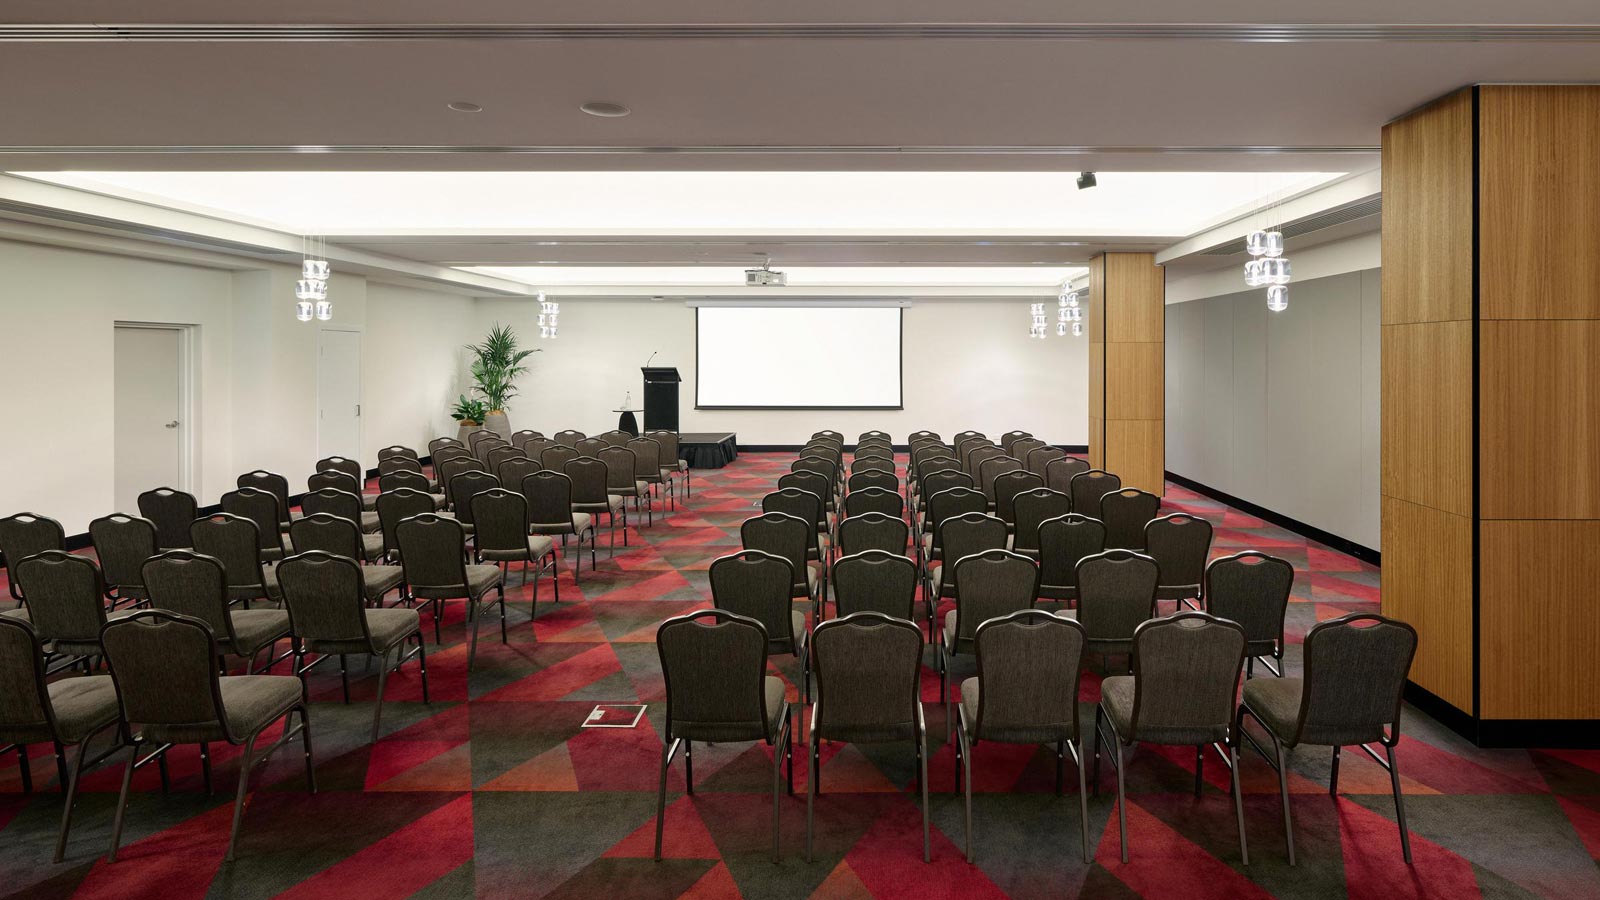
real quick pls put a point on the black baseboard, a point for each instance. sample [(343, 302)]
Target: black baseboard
[(851, 448), (1564, 734), (1343, 545)]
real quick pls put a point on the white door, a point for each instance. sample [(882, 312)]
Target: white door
[(150, 427), (339, 394)]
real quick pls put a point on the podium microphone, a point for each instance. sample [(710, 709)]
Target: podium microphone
[(652, 356)]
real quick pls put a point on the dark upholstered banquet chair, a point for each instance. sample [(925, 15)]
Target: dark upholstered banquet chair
[(1038, 462), (395, 506), (568, 437), (714, 666), (1064, 541), (63, 712), (1180, 544), (66, 603), (121, 545), (1087, 487), (1007, 485), (550, 512), (1116, 594), (439, 443), (875, 581), (873, 531), (805, 505), (959, 537), (394, 450), (235, 543), (463, 488), (1125, 514), (1185, 678), (874, 499), (263, 508), (436, 570), (872, 479), (868, 669), (669, 461), (1030, 509), (1025, 692), (788, 537), (171, 510), (327, 604), (337, 536), (1252, 588), (757, 584), (512, 471), (590, 494), (344, 504), (1355, 676), (1059, 471), (195, 585), (24, 534), (502, 538), (993, 583), (167, 683), (622, 479), (652, 467), (273, 483)]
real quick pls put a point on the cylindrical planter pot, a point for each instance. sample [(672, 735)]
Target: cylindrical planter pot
[(498, 423), (465, 431)]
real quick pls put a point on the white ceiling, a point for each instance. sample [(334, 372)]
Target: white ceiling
[(798, 276)]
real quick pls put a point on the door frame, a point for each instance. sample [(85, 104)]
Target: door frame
[(360, 393), (188, 402)]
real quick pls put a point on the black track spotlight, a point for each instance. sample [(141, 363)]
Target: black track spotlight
[(1086, 180)]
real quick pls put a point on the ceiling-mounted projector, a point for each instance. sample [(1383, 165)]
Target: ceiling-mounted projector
[(764, 277)]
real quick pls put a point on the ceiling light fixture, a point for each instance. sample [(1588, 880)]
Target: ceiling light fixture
[(1268, 267), (1068, 313), (605, 110), (311, 291), (549, 312), (464, 106), (1036, 328), (1086, 180)]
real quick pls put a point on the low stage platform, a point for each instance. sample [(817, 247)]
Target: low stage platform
[(708, 450)]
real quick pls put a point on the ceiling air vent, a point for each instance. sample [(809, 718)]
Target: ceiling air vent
[(1332, 217)]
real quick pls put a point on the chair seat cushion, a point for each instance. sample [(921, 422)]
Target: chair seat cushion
[(254, 629), (369, 501), (90, 647), (387, 626), (369, 522), (83, 705), (252, 702), (480, 579), (1030, 733), (18, 613), (539, 546), (1116, 696), (379, 580)]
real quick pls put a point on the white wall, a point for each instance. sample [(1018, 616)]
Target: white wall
[(968, 364), (255, 376)]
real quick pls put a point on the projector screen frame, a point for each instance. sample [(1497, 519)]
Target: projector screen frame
[(900, 368)]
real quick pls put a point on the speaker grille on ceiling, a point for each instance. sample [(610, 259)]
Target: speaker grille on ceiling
[(1332, 217)]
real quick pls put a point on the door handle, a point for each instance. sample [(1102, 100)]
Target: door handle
[(173, 424)]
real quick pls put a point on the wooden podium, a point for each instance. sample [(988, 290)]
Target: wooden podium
[(661, 398)]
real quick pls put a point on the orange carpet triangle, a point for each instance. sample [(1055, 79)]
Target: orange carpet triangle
[(549, 771)]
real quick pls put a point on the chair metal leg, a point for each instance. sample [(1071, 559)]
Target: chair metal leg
[(1333, 774), (305, 742), (61, 766), (1399, 804), (922, 772), (688, 767), (501, 593), (1283, 793), (812, 772), (166, 775), (477, 625), (1098, 715), (422, 663), (1238, 802), (25, 767), (1199, 767), (205, 762), (1083, 801), (377, 708), (238, 800), (344, 677), (964, 755), (667, 750), (72, 794), (1122, 803), (122, 802), (777, 788)]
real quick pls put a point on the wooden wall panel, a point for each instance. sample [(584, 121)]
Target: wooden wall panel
[(1426, 407), (1127, 359), (1540, 635), (1427, 581), (1137, 451), (1136, 381), (1097, 442), (1539, 201), (1539, 420), (1132, 279), (1427, 213)]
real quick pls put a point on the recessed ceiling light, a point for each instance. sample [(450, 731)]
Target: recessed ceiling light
[(605, 110), (464, 106)]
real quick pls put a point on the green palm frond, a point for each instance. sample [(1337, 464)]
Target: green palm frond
[(498, 365)]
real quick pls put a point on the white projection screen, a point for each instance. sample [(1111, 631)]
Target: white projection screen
[(797, 357)]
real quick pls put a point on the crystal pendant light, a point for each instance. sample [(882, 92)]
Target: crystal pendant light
[(311, 291), (1277, 298), (302, 310), (549, 313), (1077, 329), (324, 310)]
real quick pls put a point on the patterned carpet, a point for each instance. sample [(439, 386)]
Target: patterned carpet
[(494, 791)]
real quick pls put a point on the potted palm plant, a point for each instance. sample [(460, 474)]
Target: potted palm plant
[(470, 413), (496, 366)]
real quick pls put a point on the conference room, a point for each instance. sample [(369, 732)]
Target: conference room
[(737, 450)]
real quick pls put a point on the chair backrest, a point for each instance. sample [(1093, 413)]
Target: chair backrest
[(500, 520), (395, 464), (873, 435), (464, 487), (1186, 678), (591, 446), (453, 451), (24, 534), (589, 479), (164, 666), (396, 506), (522, 436), (535, 447), (952, 502), (232, 540), (875, 581), (1087, 487), (450, 469), (621, 468), (1251, 588), (1126, 512), (479, 436), (1030, 509), (937, 481), (667, 456), (616, 438), (873, 478), (438, 443), (1180, 545), (122, 544), (482, 449), (66, 595), (1065, 541), (342, 464), (783, 535), (967, 534), (549, 497), (759, 585), (1029, 664), (965, 435), (1116, 592), (260, 507), (819, 486), (1059, 472), (820, 465), (922, 435), (993, 583), (500, 454), (796, 502), (431, 551), (872, 464), (568, 437), (977, 454), (332, 501), (1011, 437), (869, 671), (1039, 459), (331, 478), (873, 531), (24, 697), (325, 597), (1021, 447), (1006, 486), (874, 499), (273, 483), (398, 451), (993, 468), (555, 456), (647, 454), (1355, 674), (190, 584), (829, 435), (171, 510), (328, 533), (511, 471), (714, 665)]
